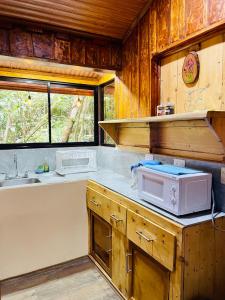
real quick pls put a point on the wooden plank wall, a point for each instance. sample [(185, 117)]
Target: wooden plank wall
[(166, 23), (31, 40), (208, 93)]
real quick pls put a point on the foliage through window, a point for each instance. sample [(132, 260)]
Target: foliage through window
[(33, 114), (109, 108)]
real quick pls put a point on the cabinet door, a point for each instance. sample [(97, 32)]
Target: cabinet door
[(150, 280), (101, 242)]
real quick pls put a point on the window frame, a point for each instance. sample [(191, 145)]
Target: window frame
[(101, 112), (49, 144)]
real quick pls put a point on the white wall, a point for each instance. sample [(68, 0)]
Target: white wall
[(42, 226)]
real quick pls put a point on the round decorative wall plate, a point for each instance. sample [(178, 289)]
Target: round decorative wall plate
[(191, 66)]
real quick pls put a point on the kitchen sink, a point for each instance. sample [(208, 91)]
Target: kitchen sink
[(18, 181)]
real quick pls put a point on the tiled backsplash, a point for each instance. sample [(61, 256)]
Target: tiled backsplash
[(107, 158)]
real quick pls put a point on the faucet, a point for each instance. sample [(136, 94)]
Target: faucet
[(16, 165)]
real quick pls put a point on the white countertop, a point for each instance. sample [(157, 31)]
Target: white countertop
[(121, 185)]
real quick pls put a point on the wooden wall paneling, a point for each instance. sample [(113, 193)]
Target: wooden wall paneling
[(206, 93), (184, 92), (116, 56), (135, 74), (105, 55), (144, 67), (20, 43), (209, 95), (125, 102), (4, 42), (175, 20), (168, 80), (43, 45), (155, 85), (153, 28), (62, 51), (78, 51), (92, 56), (194, 15), (216, 10), (223, 76), (163, 23), (61, 47)]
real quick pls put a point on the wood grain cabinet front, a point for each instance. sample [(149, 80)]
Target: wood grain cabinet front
[(111, 211), (149, 279), (101, 242), (150, 237), (99, 204), (154, 257)]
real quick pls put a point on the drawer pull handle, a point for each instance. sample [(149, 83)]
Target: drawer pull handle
[(95, 203), (141, 235), (128, 269), (113, 217)]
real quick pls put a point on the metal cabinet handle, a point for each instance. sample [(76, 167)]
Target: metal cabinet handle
[(141, 235), (113, 217), (128, 269), (95, 203)]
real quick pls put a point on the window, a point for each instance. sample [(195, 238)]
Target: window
[(38, 113), (108, 108)]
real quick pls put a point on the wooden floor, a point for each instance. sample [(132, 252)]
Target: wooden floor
[(84, 285)]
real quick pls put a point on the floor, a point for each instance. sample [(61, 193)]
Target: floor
[(84, 285)]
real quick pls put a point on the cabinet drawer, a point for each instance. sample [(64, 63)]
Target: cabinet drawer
[(111, 211), (118, 216), (153, 239), (98, 204)]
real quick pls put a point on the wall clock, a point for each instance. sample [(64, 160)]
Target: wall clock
[(191, 67)]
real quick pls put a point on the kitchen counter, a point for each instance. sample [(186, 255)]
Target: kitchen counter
[(121, 185)]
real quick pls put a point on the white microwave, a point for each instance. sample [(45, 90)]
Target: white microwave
[(178, 194), (75, 161)]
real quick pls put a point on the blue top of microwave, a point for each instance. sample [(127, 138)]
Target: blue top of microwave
[(171, 169)]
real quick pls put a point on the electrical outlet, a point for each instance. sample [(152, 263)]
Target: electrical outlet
[(149, 157), (179, 162), (222, 179)]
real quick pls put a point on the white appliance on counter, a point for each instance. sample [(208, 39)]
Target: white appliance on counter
[(75, 161), (178, 194)]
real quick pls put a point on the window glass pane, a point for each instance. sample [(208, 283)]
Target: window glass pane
[(23, 117), (72, 114), (109, 108)]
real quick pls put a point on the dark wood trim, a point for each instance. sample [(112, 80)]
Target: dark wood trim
[(38, 277), (155, 84)]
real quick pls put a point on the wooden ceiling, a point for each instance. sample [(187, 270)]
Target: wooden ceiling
[(112, 18)]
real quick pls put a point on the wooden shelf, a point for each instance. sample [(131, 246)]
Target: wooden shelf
[(198, 135)]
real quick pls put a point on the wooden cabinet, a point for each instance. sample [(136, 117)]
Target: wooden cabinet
[(101, 242), (150, 237), (153, 257), (150, 280)]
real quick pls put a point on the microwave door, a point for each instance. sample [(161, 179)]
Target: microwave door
[(152, 188)]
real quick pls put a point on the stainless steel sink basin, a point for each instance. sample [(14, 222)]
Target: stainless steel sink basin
[(18, 181)]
